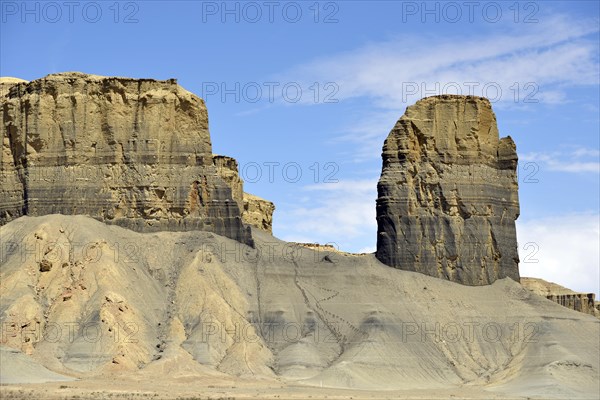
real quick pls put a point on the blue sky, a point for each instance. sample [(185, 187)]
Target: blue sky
[(315, 87)]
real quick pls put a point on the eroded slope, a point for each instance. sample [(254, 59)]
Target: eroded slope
[(196, 304)]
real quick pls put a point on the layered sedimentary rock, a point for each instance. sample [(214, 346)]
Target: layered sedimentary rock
[(7, 82), (257, 212), (448, 193), (227, 168), (131, 152), (582, 302)]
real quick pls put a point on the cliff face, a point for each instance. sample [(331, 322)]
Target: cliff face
[(448, 193), (227, 168), (134, 153), (7, 82), (582, 302), (256, 211)]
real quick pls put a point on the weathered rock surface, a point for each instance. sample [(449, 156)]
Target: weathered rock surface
[(582, 302), (358, 325), (257, 212), (227, 168), (448, 193), (131, 152), (7, 82)]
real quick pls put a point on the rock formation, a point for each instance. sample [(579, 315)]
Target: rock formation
[(582, 302), (227, 168), (7, 82), (131, 152), (447, 196), (256, 211)]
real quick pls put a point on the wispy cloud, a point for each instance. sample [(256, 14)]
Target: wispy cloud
[(342, 212), (550, 57), (368, 249), (367, 131), (565, 248), (577, 160), (539, 63)]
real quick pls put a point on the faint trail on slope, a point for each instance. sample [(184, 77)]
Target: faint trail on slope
[(334, 315), (258, 305), (339, 337)]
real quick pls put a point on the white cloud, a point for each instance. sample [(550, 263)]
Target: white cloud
[(368, 249), (577, 160), (368, 131), (566, 248), (553, 55), (533, 63), (343, 213)]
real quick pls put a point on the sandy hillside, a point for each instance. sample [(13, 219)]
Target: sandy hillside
[(218, 317)]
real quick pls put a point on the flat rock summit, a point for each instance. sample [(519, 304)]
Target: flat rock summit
[(131, 256), (130, 152)]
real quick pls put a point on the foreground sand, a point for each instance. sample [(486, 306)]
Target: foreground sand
[(196, 315), (197, 389)]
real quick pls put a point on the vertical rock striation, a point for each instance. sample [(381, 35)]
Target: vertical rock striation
[(448, 193), (227, 168), (582, 302), (131, 152), (256, 212)]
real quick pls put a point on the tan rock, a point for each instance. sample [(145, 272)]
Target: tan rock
[(7, 82), (45, 266), (447, 196), (258, 212), (131, 152), (227, 168), (583, 302)]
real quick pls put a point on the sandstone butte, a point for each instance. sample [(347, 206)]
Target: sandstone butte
[(130, 152), (448, 193)]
